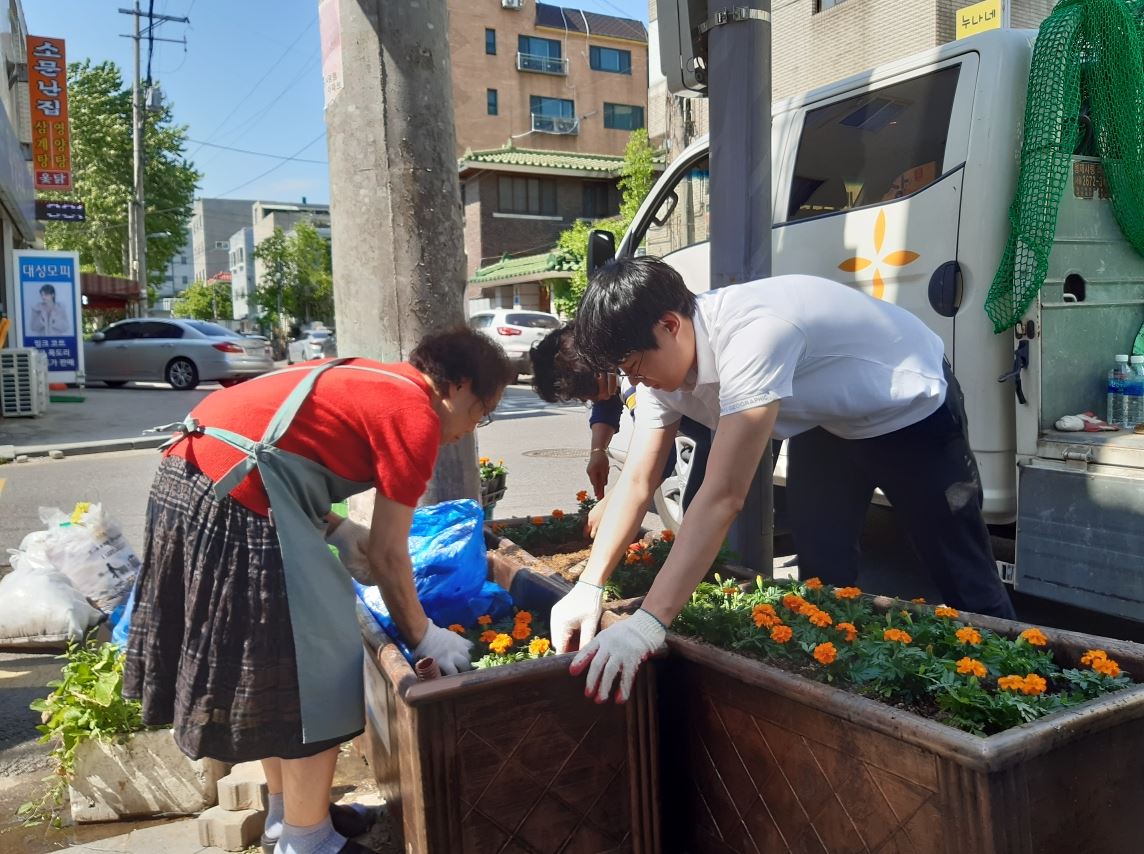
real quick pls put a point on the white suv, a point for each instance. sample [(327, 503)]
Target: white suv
[(515, 330)]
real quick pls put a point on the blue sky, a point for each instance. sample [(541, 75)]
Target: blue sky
[(231, 44)]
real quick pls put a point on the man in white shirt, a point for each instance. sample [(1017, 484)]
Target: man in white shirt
[(859, 386)]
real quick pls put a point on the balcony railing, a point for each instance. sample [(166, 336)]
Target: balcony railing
[(541, 64), (567, 125)]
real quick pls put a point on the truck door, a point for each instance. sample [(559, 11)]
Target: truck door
[(873, 194)]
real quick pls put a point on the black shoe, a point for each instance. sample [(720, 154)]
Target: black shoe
[(346, 821)]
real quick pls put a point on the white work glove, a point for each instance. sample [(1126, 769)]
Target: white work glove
[(352, 542), (578, 611), (619, 650), (448, 649)]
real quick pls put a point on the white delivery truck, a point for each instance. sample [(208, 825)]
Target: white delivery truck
[(898, 182)]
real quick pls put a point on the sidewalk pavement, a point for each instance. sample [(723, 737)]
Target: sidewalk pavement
[(107, 420)]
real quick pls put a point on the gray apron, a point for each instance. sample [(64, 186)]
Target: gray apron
[(327, 640)]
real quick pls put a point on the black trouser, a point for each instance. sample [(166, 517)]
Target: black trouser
[(928, 473)]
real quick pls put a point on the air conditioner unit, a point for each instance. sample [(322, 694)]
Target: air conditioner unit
[(512, 4), (23, 382)]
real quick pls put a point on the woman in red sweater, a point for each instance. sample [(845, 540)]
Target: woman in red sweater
[(244, 633)]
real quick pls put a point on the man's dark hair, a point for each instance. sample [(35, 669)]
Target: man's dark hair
[(623, 303), (460, 354), (50, 290), (558, 371)]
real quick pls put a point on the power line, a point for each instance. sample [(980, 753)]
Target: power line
[(253, 119), (274, 168), (257, 83), (256, 153)]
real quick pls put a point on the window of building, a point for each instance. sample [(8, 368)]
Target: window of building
[(491, 98), (552, 115), (490, 41), (543, 55), (182, 259), (521, 195), (623, 117), (823, 5), (874, 147), (184, 280), (610, 59), (601, 199), (221, 244)]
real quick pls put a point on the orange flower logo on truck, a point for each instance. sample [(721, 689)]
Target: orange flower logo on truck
[(897, 258)]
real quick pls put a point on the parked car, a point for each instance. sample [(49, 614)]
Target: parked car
[(314, 344), (516, 330), (182, 353)]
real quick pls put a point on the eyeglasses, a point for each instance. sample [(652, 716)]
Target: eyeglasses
[(634, 375), (485, 421)]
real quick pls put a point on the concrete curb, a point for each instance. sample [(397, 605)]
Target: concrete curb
[(74, 449)]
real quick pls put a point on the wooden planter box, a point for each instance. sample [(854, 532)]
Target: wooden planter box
[(514, 758), (761, 760)]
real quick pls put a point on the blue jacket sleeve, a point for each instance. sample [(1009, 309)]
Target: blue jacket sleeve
[(607, 412)]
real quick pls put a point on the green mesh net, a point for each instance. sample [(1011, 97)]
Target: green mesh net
[(1087, 52)]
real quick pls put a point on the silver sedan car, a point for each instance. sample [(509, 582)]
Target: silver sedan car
[(182, 353)]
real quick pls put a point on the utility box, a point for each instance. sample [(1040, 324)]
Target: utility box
[(23, 382), (682, 48)]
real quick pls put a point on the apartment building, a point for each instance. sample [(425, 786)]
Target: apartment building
[(545, 77), (213, 221), (267, 216), (815, 42), (242, 284)]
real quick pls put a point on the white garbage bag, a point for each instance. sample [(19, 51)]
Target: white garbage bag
[(40, 606), (89, 549)]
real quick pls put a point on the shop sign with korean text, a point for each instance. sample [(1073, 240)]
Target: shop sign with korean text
[(986, 15), (48, 309), (48, 96)]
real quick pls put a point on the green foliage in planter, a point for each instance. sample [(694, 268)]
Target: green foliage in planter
[(913, 656), (643, 561), (506, 641), (557, 528), (491, 470), (86, 703)]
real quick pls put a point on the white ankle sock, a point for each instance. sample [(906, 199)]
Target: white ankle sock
[(320, 838), (275, 813)]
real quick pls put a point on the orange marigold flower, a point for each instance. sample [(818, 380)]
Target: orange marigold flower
[(850, 629), (497, 527), (1033, 685), (558, 514), (763, 620), (968, 635), (730, 591), (667, 536), (523, 617), (500, 644), (813, 583), (582, 495), (484, 461), (538, 520), (943, 611), (538, 646), (521, 631), (920, 600), (896, 635), (847, 593), (458, 628), (765, 608), (793, 602), (825, 653), (819, 618), (971, 667), (631, 558), (488, 636), (1035, 637), (1011, 683), (1093, 655), (781, 634), (485, 620), (1107, 667)]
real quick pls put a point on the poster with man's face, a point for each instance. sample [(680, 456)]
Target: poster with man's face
[(48, 289)]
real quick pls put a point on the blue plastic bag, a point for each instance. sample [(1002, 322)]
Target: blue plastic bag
[(120, 619), (450, 571)]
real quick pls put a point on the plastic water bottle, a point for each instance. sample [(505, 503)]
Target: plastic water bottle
[(1117, 380), (1134, 393)]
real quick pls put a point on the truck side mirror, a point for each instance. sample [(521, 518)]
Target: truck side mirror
[(601, 250)]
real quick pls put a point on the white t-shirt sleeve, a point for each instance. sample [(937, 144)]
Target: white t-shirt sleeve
[(652, 411), (756, 362)]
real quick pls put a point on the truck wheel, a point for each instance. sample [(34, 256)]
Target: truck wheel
[(181, 374)]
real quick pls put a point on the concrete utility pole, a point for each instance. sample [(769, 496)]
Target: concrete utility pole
[(395, 203), (137, 216), (739, 93)]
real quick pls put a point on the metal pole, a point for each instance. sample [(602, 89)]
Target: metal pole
[(137, 116), (739, 93)]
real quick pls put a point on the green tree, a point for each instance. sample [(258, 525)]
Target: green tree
[(637, 176), (297, 279), (204, 301), (100, 110)]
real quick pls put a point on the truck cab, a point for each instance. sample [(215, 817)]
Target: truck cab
[(898, 182)]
